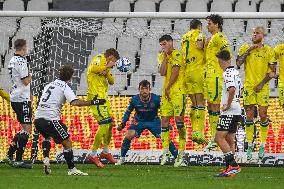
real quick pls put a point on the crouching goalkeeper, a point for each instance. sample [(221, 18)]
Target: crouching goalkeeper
[(146, 107)]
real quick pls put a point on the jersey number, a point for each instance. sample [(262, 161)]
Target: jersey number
[(48, 92)]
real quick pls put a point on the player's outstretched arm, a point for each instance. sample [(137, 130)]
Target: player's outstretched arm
[(126, 115), (95, 101), (110, 77)]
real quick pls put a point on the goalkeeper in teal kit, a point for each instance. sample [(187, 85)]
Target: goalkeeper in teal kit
[(146, 107)]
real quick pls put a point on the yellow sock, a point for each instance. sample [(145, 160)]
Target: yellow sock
[(193, 118), (108, 135), (263, 131), (101, 132), (165, 138), (200, 119), (182, 135), (213, 124), (249, 130), (5, 95)]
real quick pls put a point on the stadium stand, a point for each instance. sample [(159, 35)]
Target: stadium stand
[(119, 6), (170, 6), (15, 5), (144, 6), (38, 5), (221, 6), (196, 6)]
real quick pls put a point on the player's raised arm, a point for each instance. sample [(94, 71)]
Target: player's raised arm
[(126, 115), (110, 77)]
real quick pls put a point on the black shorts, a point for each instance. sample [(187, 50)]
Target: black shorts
[(23, 111), (228, 123), (52, 128)]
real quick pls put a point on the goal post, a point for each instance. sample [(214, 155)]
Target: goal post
[(57, 38)]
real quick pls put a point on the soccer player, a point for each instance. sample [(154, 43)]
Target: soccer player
[(146, 107), (213, 76), (230, 115), (99, 76), (173, 99), (192, 45), (47, 116), (260, 66), (279, 54), (20, 96)]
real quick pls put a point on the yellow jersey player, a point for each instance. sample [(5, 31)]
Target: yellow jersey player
[(172, 67), (192, 45), (99, 76), (279, 54), (213, 75), (260, 67)]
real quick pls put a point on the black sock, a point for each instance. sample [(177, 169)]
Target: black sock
[(230, 160), (23, 138), (46, 147), (35, 145), (13, 147), (68, 155)]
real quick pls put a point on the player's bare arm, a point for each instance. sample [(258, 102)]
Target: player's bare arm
[(200, 44), (231, 95), (27, 80), (95, 101), (241, 59), (172, 80), (163, 67)]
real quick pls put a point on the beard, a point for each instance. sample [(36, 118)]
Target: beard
[(255, 41)]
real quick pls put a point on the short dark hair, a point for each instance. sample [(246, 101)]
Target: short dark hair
[(65, 72), (166, 37), (112, 52), (19, 44), (144, 83), (216, 19), (195, 23), (224, 55)]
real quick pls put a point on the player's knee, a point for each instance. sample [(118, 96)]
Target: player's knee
[(67, 144), (27, 128), (130, 136), (263, 115)]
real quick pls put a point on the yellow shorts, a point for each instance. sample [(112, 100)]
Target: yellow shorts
[(102, 113), (281, 93), (173, 107), (194, 82), (213, 88), (252, 98)]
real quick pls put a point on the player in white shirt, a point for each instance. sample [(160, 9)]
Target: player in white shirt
[(47, 116), (230, 114), (20, 96)]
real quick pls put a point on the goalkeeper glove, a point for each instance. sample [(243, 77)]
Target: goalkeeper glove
[(97, 101), (121, 126)]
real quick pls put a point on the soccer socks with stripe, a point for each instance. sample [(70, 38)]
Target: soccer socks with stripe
[(68, 155), (263, 131), (200, 119), (249, 130), (165, 136), (13, 146), (23, 138), (229, 159), (193, 118), (125, 147), (173, 149), (182, 135), (46, 147)]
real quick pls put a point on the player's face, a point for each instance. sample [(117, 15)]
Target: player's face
[(144, 91), (110, 59), (257, 36), (166, 45), (211, 26)]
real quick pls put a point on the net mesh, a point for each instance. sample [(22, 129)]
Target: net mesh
[(53, 42)]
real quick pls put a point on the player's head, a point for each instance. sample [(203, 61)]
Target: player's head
[(111, 55), (258, 34), (144, 89), (166, 42), (65, 73), (224, 59), (195, 24), (215, 23), (20, 46)]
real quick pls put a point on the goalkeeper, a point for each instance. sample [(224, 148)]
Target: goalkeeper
[(146, 107), (99, 76)]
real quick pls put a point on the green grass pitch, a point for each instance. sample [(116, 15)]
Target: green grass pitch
[(140, 176)]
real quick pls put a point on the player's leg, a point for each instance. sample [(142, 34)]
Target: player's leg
[(193, 113), (264, 122), (35, 142), (46, 145), (131, 133), (106, 141)]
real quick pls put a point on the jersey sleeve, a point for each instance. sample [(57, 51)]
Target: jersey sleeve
[(243, 49), (229, 80), (276, 50), (69, 94), (200, 37), (272, 59), (223, 43), (23, 69), (97, 65), (128, 111), (110, 77), (177, 59)]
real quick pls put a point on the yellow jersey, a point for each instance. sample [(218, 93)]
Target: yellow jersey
[(257, 63), (174, 59), (279, 55), (217, 43), (193, 56), (98, 83)]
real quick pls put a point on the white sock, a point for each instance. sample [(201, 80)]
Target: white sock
[(94, 153), (105, 150), (249, 144), (166, 150), (262, 144), (122, 159)]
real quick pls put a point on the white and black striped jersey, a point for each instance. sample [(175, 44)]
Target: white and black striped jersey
[(18, 69), (53, 97), (231, 78)]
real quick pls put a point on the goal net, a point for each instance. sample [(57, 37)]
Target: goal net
[(54, 41)]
